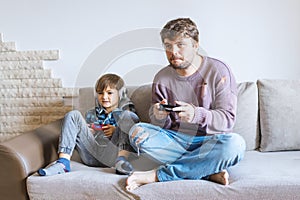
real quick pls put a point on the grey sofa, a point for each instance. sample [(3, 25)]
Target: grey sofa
[(267, 117)]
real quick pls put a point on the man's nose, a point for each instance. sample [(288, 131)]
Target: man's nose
[(174, 49)]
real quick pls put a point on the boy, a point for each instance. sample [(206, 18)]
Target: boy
[(102, 137)]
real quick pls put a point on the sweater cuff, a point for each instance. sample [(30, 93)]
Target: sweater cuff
[(200, 117)]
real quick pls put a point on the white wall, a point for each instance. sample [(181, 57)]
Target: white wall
[(257, 38)]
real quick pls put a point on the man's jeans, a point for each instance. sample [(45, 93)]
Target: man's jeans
[(94, 149), (186, 156)]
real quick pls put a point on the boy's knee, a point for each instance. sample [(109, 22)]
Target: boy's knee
[(73, 113)]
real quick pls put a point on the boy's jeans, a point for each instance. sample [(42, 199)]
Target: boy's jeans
[(186, 156), (94, 151)]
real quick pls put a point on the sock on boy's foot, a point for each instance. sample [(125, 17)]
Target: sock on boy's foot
[(62, 165), (123, 167)]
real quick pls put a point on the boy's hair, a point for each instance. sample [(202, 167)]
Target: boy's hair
[(111, 80), (184, 27)]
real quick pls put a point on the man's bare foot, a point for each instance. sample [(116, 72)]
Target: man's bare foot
[(221, 177), (140, 178)]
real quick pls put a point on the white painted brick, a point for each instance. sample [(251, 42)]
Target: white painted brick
[(20, 74), (10, 83), (29, 55), (32, 102), (52, 118), (30, 83), (9, 93), (46, 83), (34, 111), (5, 120), (33, 120), (70, 101), (11, 121), (7, 46), (8, 65), (38, 92)]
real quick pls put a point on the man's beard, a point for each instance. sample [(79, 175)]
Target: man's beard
[(183, 65)]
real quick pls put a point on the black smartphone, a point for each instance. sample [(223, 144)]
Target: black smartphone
[(167, 107)]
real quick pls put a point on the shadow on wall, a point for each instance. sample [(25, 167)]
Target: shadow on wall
[(101, 60)]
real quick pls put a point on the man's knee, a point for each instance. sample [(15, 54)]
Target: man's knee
[(234, 147), (137, 134), (238, 142), (135, 129)]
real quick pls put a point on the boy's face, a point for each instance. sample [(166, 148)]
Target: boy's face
[(109, 98)]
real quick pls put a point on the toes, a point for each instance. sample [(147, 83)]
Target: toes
[(132, 187)]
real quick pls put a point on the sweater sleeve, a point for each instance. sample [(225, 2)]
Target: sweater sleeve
[(158, 94), (220, 117)]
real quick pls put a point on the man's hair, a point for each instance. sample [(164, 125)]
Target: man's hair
[(184, 27), (111, 80)]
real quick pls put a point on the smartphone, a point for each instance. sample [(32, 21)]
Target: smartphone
[(96, 127), (167, 107)]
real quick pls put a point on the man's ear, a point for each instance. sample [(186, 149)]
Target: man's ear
[(195, 44)]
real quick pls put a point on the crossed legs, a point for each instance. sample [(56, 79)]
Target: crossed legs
[(211, 147), (140, 178)]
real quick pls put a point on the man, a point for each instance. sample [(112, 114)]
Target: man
[(193, 140)]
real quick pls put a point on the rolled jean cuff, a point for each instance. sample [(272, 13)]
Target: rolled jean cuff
[(65, 150)]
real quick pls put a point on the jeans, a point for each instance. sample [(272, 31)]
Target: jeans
[(185, 156), (94, 148)]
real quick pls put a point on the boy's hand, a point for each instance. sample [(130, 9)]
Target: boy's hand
[(108, 130), (90, 128)]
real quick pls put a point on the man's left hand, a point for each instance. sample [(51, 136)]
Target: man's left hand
[(186, 111)]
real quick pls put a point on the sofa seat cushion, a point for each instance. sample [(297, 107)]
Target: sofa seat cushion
[(273, 175), (82, 183)]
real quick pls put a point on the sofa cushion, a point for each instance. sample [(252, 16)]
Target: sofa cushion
[(141, 97), (279, 114), (85, 100), (248, 180), (247, 114), (247, 108)]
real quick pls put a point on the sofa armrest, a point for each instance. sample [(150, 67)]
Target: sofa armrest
[(23, 155)]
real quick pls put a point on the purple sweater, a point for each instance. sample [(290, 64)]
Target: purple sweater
[(212, 90)]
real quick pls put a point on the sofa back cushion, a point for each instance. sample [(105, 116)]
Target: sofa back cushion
[(247, 114), (247, 108), (141, 97), (279, 114)]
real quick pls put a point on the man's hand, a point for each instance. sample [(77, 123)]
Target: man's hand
[(158, 113), (186, 111)]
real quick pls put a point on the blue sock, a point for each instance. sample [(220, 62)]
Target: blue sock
[(119, 158), (66, 163)]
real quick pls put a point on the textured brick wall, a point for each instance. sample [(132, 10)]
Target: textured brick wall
[(29, 96)]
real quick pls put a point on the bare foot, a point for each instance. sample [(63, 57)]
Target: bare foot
[(140, 178), (221, 177)]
